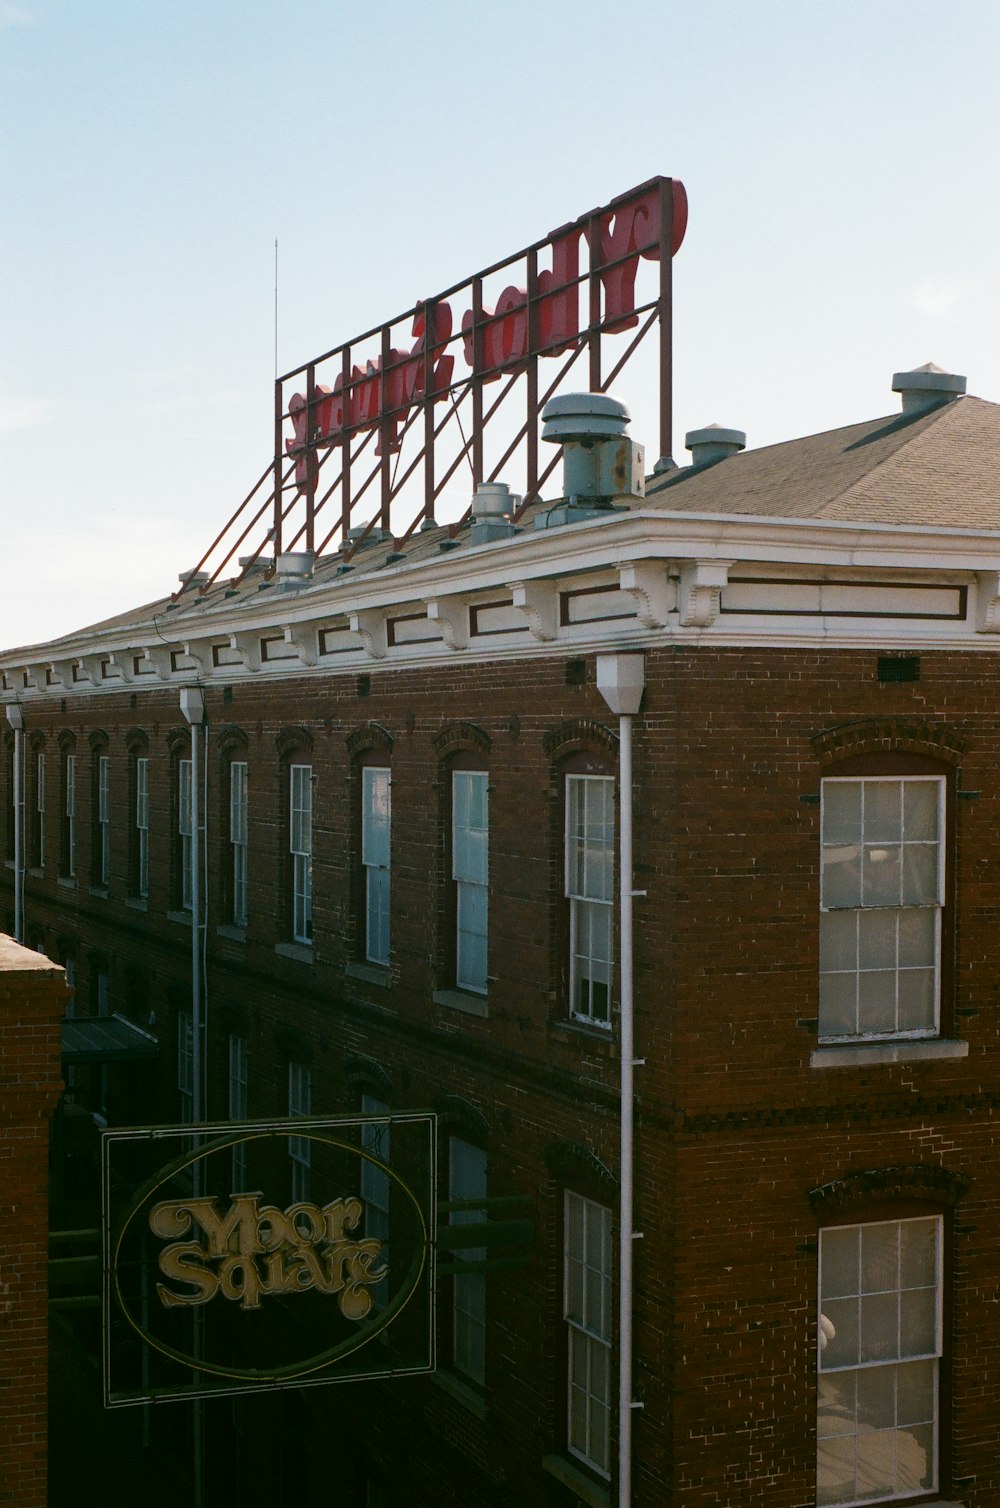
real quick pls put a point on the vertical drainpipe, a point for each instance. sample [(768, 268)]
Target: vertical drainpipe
[(193, 708), (15, 716), (621, 679)]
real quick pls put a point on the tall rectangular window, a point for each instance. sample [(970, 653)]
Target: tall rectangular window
[(376, 821), (882, 897), (38, 815), (68, 845), (470, 873), (142, 827), (185, 1066), (299, 1147), (238, 839), (587, 1311), (879, 1357), (238, 1106), (375, 1184), (590, 887), (300, 846), (467, 1181), (103, 821), (185, 834)]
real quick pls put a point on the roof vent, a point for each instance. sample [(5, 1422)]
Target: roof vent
[(192, 578), (713, 443), (927, 387), (492, 508), (293, 569), (600, 462)]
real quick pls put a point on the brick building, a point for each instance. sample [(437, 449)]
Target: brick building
[(412, 794)]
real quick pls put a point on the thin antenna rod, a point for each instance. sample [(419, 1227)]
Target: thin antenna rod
[(275, 308)]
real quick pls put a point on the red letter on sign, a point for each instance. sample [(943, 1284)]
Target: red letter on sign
[(636, 233), (559, 301)]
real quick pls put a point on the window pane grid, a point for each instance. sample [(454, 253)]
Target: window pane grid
[(70, 815), (103, 818), (470, 872), (879, 1345), (300, 845), (882, 890), (589, 863), (186, 831), (587, 1310), (238, 839), (376, 819), (142, 826)]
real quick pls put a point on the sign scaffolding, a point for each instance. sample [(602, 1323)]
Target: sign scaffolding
[(384, 422)]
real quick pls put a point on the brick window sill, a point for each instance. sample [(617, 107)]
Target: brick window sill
[(300, 952), (873, 1054), (137, 903), (462, 1000), (36, 872), (100, 891), (473, 1402), (182, 918), (369, 973), (595, 1035), (67, 881), (233, 933), (579, 1481)]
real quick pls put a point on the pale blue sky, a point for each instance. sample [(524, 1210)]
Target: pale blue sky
[(841, 162)]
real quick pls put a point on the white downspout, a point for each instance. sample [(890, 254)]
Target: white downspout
[(15, 716), (621, 680)]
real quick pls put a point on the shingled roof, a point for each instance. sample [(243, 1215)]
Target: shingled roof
[(939, 468)]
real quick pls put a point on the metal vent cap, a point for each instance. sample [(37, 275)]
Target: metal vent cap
[(583, 416)]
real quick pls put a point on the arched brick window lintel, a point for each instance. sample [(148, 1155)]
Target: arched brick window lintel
[(909, 1181), (293, 739), (368, 738), (460, 737), (460, 1117), (136, 740), (581, 733), (367, 1076), (572, 1163), (889, 736)]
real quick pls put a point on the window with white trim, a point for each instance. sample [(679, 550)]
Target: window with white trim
[(185, 1066), (299, 1147), (142, 827), (238, 840), (103, 865), (587, 1312), (238, 1106), (879, 1351), (68, 845), (185, 834), (38, 815), (590, 888), (300, 848), (375, 1185), (466, 1181), (376, 822), (882, 898), (470, 873)]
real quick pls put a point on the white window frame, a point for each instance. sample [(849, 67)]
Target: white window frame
[(853, 1424), (587, 1306), (238, 839), (470, 873), (375, 1184), (467, 1180), (903, 911), (376, 851), (70, 816), (185, 833), (104, 819), (40, 808), (142, 826), (300, 1147), (300, 777), (185, 1066), (589, 868), (238, 1100)]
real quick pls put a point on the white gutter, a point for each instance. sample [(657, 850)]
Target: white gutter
[(621, 680), (15, 716)]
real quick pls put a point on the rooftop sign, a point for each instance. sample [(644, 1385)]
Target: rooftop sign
[(453, 388)]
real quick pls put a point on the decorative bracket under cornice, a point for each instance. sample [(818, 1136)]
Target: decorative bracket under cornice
[(700, 592), (125, 665), (304, 639), (539, 602), (451, 614), (93, 668), (652, 591), (200, 651), (247, 646), (159, 657), (988, 602), (62, 671), (372, 623)]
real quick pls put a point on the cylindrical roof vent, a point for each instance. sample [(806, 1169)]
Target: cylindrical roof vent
[(583, 416), (927, 387), (713, 443), (493, 500)]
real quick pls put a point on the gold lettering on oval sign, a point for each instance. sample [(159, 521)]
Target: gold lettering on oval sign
[(251, 1250)]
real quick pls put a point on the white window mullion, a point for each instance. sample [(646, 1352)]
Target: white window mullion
[(589, 865), (238, 839), (185, 831), (470, 872), (587, 1312), (70, 816), (300, 846), (376, 847), (142, 826), (104, 819)]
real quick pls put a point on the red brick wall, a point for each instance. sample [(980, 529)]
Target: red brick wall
[(32, 1001)]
